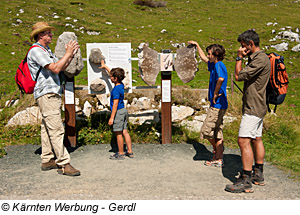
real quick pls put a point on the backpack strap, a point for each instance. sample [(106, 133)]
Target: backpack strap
[(25, 59)]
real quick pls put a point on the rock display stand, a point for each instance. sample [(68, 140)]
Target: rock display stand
[(72, 70), (166, 65)]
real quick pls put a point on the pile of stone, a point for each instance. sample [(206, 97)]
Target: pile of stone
[(286, 35), (141, 110)]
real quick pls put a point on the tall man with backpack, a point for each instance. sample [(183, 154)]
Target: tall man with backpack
[(45, 67), (255, 76)]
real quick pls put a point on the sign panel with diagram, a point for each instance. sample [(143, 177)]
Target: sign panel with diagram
[(114, 55)]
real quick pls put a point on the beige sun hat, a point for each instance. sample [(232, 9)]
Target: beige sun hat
[(38, 28)]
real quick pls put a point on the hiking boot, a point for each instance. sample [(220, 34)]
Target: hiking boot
[(68, 170), (258, 177), (215, 163), (130, 155), (243, 184), (117, 156), (49, 165)]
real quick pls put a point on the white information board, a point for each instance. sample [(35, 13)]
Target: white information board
[(166, 90), (69, 93), (116, 55)]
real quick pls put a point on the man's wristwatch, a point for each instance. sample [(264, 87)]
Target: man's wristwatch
[(238, 58)]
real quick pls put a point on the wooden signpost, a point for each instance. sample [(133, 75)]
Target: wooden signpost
[(166, 67), (70, 117)]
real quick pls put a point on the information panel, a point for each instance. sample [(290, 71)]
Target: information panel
[(116, 55)]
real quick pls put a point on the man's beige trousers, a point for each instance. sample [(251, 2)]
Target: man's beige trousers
[(52, 130)]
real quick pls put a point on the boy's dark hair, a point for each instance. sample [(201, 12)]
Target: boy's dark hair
[(217, 50), (119, 73), (247, 36)]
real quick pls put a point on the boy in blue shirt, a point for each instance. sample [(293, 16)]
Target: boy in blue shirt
[(119, 114), (212, 128)]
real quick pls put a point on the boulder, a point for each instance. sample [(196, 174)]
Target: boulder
[(289, 36), (142, 103), (147, 117), (296, 48), (281, 47), (87, 109), (194, 125), (148, 63), (103, 99), (181, 112), (76, 65), (186, 64), (30, 115)]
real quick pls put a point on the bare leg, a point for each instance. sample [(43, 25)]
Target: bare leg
[(219, 148), (213, 143), (246, 152), (127, 140), (259, 150), (120, 142)]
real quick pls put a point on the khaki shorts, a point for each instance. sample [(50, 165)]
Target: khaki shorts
[(121, 120), (212, 127), (251, 126)]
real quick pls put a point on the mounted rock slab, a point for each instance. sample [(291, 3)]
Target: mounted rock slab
[(148, 64), (186, 64), (76, 64)]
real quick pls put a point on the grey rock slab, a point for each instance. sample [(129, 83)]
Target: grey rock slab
[(76, 65), (186, 64)]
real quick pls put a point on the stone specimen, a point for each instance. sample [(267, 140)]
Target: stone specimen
[(186, 64), (96, 56), (148, 64), (76, 64), (98, 85)]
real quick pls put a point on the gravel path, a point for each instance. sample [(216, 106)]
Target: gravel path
[(172, 172)]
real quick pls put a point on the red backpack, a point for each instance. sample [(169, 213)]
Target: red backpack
[(23, 77), (278, 82)]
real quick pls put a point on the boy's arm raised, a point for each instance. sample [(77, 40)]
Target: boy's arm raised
[(201, 52), (103, 66)]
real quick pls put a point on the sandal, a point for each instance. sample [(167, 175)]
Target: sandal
[(215, 163), (130, 155)]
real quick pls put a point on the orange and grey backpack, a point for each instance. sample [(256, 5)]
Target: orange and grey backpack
[(278, 82)]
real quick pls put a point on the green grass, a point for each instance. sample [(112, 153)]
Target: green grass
[(220, 21)]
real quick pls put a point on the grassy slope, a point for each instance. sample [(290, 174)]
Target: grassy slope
[(220, 21)]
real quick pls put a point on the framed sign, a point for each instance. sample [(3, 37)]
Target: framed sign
[(166, 62), (116, 55)]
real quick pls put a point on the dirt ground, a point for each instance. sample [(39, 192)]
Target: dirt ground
[(158, 172)]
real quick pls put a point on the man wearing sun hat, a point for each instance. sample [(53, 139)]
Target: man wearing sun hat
[(47, 93)]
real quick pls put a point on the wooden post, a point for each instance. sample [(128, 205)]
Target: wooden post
[(166, 67), (70, 118), (166, 110)]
